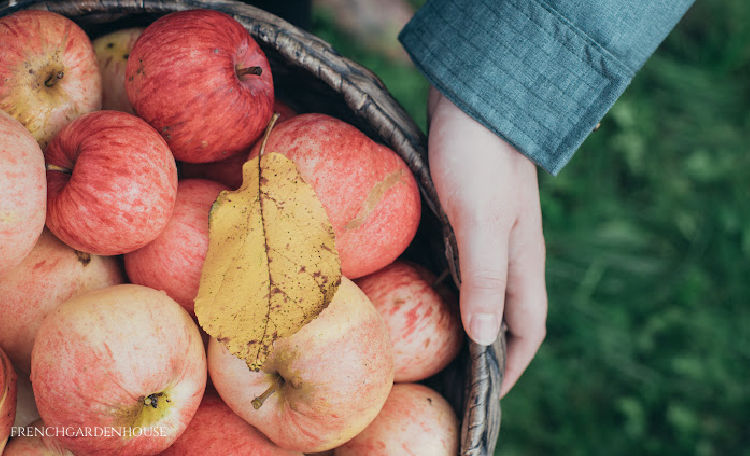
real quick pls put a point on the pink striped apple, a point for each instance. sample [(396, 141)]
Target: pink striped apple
[(415, 420), (112, 183), (126, 360), (23, 192), (422, 318), (50, 275), (173, 261)]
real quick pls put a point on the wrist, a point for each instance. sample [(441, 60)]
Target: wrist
[(449, 124)]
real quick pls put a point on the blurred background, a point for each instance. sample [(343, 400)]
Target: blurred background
[(648, 237)]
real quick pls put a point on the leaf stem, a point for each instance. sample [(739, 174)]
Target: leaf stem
[(271, 123)]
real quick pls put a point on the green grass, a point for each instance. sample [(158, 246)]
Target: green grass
[(405, 83), (648, 235)]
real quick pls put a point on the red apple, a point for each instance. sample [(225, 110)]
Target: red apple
[(49, 72), (423, 321), (50, 275), (319, 387), (173, 261), (23, 192), (201, 80), (126, 360), (415, 420), (112, 51), (369, 193), (229, 170), (35, 442), (216, 431), (7, 398), (113, 185)]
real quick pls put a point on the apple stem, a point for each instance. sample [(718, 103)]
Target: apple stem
[(153, 400), (269, 127), (58, 168), (258, 401), (256, 70), (53, 78)]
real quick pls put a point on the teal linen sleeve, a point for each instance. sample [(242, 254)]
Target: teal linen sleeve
[(540, 74)]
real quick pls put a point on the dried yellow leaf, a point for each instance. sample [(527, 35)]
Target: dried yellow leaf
[(271, 265)]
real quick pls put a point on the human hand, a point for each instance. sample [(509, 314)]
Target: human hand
[(490, 194)]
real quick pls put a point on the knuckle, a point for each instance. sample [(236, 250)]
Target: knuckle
[(486, 280)]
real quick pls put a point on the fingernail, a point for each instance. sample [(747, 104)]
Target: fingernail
[(484, 328)]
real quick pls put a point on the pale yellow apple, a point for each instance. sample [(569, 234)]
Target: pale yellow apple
[(48, 71), (112, 52), (319, 387)]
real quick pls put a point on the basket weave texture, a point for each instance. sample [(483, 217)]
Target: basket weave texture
[(311, 77)]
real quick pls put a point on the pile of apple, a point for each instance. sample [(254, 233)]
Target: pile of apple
[(96, 309)]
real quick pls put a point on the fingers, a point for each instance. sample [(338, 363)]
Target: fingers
[(526, 299), (483, 262), (490, 194)]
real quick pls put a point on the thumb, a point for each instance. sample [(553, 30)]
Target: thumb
[(483, 259)]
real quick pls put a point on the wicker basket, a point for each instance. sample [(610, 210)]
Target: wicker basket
[(311, 77)]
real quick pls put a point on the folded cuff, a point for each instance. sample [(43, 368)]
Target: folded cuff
[(519, 68)]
